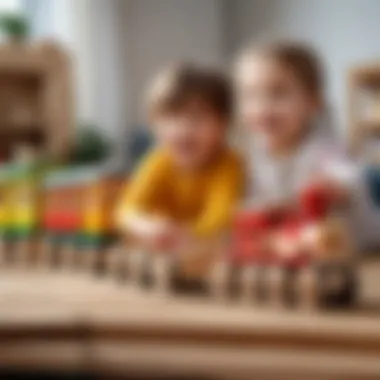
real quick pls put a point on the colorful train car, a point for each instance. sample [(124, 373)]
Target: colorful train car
[(20, 209), (301, 255), (78, 212)]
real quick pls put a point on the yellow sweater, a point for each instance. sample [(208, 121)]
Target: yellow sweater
[(202, 199)]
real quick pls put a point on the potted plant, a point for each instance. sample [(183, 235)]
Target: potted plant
[(14, 26), (90, 146)]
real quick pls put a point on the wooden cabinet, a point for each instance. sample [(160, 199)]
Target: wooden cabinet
[(36, 99), (364, 106)]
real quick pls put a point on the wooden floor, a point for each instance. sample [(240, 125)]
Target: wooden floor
[(74, 321)]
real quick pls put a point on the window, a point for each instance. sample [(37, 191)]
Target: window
[(10, 5)]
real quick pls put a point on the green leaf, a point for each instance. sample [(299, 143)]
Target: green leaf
[(14, 25), (90, 146)]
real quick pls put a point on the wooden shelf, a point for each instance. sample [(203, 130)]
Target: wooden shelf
[(35, 84), (370, 126), (360, 80), (367, 75)]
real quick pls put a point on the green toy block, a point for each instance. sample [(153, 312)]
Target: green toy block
[(86, 240), (58, 238), (13, 234)]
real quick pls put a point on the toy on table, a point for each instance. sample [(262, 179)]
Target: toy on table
[(97, 232), (60, 225), (151, 267), (5, 212), (171, 269), (285, 255), (77, 216), (20, 204)]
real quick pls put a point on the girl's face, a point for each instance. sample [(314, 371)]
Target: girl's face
[(271, 100), (192, 135)]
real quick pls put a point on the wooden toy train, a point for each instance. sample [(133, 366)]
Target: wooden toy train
[(59, 216), (301, 255)]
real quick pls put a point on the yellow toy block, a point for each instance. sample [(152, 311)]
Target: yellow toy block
[(94, 221), (6, 211), (3, 215), (24, 215)]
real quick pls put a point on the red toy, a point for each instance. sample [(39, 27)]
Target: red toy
[(315, 202), (280, 236)]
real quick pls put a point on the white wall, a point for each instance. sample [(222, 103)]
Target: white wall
[(159, 32), (344, 31)]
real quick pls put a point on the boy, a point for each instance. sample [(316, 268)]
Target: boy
[(186, 189)]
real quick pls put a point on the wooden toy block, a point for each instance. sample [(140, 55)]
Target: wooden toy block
[(117, 260), (249, 284), (22, 252), (337, 284), (88, 258), (45, 252), (95, 219), (219, 280), (306, 288), (68, 255), (275, 286), (3, 252), (161, 269), (136, 263), (91, 249)]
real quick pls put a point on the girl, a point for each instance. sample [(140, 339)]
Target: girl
[(281, 103)]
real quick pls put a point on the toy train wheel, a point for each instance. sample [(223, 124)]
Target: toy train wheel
[(4, 252), (115, 261), (137, 261), (250, 284), (161, 270), (337, 285), (219, 280), (68, 256)]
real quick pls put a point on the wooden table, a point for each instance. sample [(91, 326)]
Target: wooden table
[(73, 322)]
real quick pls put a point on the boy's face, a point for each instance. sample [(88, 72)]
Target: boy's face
[(192, 135), (271, 101)]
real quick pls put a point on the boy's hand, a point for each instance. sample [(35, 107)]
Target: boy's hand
[(160, 235)]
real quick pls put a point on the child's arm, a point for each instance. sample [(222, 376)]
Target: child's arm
[(134, 213), (225, 192)]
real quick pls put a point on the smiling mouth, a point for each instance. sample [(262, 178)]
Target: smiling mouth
[(187, 147)]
